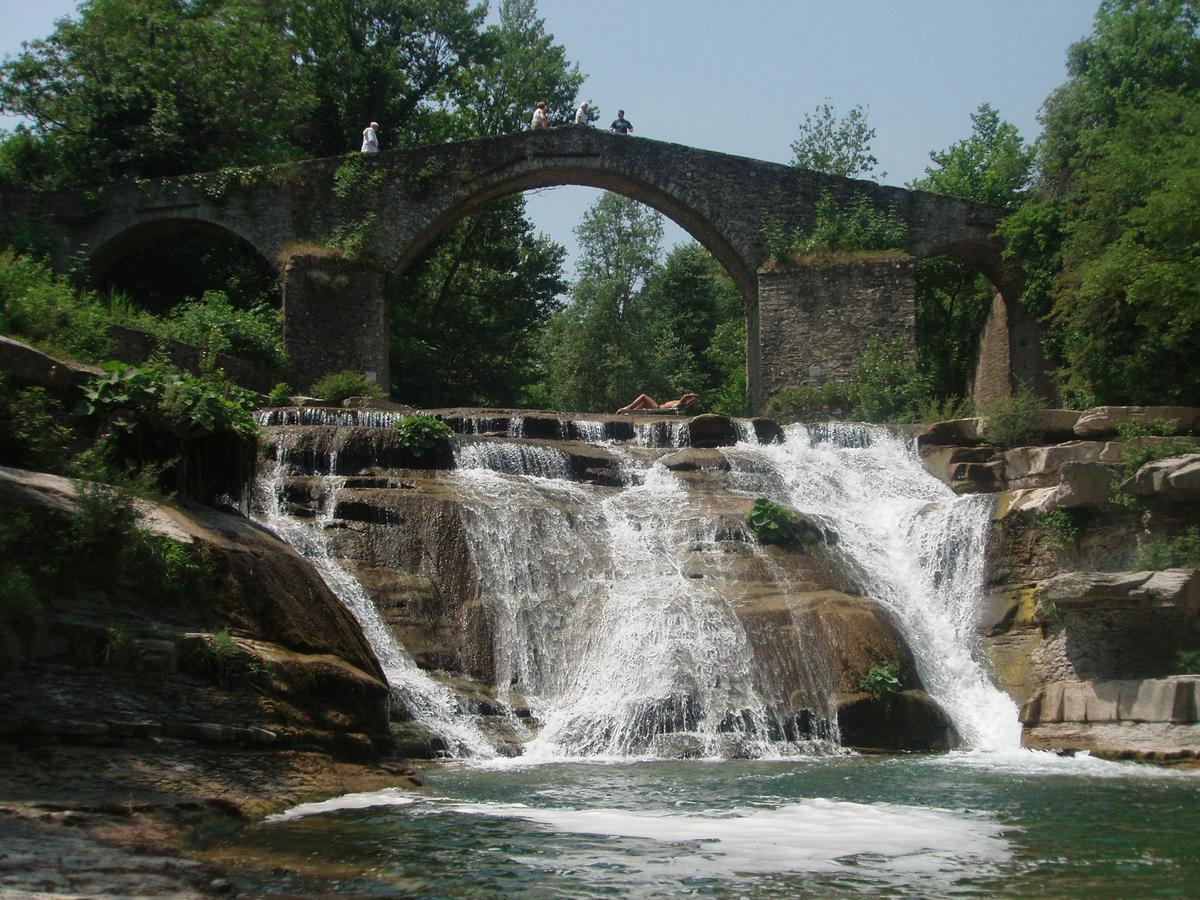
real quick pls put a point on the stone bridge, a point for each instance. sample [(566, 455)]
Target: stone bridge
[(804, 323)]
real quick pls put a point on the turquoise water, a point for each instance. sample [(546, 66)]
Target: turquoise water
[(1022, 824)]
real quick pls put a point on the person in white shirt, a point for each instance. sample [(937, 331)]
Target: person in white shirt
[(371, 138), (539, 116), (581, 114)]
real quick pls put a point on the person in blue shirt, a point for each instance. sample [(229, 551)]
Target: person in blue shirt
[(620, 125)]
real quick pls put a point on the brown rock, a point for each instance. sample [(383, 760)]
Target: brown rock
[(1176, 479), (1103, 420)]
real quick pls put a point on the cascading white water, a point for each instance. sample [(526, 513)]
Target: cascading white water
[(431, 704), (913, 545), (663, 434), (518, 459), (597, 627)]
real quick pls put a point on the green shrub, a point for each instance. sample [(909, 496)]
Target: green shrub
[(1141, 445), (280, 395), (19, 600), (424, 434), (1181, 551), (337, 386), (215, 325), (831, 400), (1057, 528), (882, 678), (775, 524), (46, 309), (118, 646), (1012, 420), (33, 429), (1187, 662), (854, 225), (197, 432), (887, 386)]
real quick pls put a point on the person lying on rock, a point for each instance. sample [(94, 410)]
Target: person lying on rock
[(645, 401)]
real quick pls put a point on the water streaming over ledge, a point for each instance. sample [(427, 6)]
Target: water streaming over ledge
[(912, 544), (599, 630)]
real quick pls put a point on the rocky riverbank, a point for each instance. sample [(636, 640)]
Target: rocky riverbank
[(1083, 638)]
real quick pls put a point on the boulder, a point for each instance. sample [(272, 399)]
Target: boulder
[(1033, 467), (1173, 588), (710, 430), (692, 459), (906, 721), (1103, 420), (952, 432), (1174, 479), (767, 430), (1083, 484)]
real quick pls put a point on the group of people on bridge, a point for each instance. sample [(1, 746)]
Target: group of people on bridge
[(620, 125)]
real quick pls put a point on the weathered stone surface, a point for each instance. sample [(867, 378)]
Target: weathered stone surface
[(334, 318), (1083, 484), (1171, 700), (824, 316), (952, 432), (909, 720), (767, 430), (1035, 467), (693, 460), (1179, 588), (965, 469), (1103, 420), (28, 367), (1176, 479)]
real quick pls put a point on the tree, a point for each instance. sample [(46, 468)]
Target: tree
[(993, 165), (1111, 243), (836, 146), (151, 88), (467, 317), (597, 350), (497, 95)]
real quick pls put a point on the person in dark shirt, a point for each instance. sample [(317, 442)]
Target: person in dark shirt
[(620, 124)]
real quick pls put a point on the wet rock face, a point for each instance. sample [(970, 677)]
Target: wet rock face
[(403, 533), (291, 669), (905, 721)]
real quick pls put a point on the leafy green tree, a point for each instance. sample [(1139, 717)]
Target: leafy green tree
[(467, 317), (1111, 242), (598, 350), (836, 145), (497, 95), (150, 88), (993, 165)]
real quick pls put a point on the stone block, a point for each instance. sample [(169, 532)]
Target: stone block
[(1075, 696), (1102, 700), (1175, 479), (1082, 484), (1053, 705), (1171, 588), (1154, 700)]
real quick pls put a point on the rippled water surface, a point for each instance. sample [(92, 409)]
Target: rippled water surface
[(1016, 824)]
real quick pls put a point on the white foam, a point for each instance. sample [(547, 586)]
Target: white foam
[(819, 836), (366, 800)]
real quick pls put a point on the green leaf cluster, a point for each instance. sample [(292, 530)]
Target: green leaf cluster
[(852, 226), (881, 679), (836, 145), (424, 434), (338, 386), (775, 524)]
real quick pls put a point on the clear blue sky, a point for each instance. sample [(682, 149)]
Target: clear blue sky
[(739, 76)]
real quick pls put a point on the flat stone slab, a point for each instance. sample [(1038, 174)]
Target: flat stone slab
[(1104, 420), (1074, 591), (1166, 700), (1176, 478)]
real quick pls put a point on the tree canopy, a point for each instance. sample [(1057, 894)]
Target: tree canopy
[(836, 145)]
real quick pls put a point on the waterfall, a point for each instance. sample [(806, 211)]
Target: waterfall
[(663, 434), (911, 543), (316, 415), (601, 631), (432, 705), (514, 459)]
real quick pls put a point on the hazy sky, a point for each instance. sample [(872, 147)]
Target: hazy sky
[(739, 76)]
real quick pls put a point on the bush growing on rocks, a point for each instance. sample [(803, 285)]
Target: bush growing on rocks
[(775, 524), (1012, 421), (1181, 551), (337, 386), (424, 434), (882, 678)]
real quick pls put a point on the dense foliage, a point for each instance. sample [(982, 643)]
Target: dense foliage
[(1111, 238), (338, 386), (775, 524), (424, 434), (637, 324), (836, 145)]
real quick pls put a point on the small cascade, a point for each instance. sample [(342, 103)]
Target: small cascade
[(745, 431), (910, 542), (516, 427), (333, 418), (663, 434), (589, 431), (431, 704), (512, 459)]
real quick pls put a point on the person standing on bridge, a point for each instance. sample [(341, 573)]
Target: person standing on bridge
[(581, 114), (370, 142), (539, 116), (621, 125)]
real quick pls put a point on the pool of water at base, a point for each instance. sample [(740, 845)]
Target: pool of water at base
[(1017, 824)]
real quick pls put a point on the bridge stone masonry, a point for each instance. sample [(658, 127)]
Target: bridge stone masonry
[(800, 319)]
